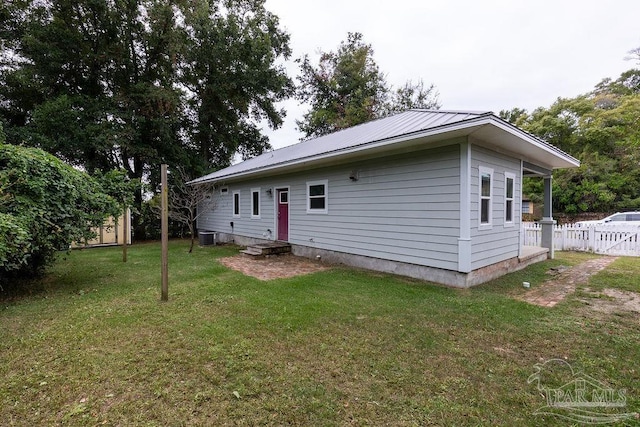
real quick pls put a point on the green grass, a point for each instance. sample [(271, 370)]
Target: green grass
[(624, 274), (93, 345)]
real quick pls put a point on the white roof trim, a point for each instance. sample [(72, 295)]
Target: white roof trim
[(508, 127)]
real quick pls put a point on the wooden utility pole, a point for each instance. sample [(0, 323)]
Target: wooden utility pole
[(164, 221), (125, 232)]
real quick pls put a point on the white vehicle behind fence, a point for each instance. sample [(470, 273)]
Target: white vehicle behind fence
[(617, 218)]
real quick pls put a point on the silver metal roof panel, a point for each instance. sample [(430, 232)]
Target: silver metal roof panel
[(372, 133)]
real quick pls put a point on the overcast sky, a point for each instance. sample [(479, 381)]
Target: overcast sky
[(485, 55)]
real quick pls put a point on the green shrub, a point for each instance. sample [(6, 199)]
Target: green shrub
[(45, 205)]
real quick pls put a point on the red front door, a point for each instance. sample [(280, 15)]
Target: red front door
[(283, 215)]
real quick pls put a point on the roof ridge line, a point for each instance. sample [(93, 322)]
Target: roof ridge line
[(430, 110)]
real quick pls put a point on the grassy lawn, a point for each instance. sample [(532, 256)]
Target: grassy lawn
[(93, 345)]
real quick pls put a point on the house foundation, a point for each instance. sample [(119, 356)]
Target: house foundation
[(529, 255)]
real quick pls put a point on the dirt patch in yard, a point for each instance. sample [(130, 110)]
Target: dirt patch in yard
[(612, 301), (272, 267)]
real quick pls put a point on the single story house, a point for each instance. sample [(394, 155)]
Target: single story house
[(429, 194)]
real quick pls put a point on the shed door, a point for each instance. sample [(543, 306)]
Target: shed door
[(283, 215)]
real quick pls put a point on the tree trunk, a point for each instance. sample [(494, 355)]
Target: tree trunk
[(193, 237), (139, 230)]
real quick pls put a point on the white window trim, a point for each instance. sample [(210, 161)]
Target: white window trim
[(253, 216), (483, 171), (507, 176), (324, 182), (233, 204), (224, 190)]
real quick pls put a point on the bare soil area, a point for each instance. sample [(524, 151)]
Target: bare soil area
[(272, 267), (613, 301)]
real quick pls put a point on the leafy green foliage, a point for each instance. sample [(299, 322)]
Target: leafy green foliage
[(602, 130), (133, 84), (231, 78), (117, 184), (412, 95), (45, 205), (14, 243), (347, 88)]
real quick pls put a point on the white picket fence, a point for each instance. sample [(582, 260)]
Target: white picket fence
[(607, 239)]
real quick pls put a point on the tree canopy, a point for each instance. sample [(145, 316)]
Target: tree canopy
[(131, 84), (602, 130), (347, 88)]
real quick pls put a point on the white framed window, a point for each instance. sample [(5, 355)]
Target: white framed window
[(236, 204), (224, 191), (318, 197), (255, 203), (485, 190), (284, 197), (509, 191)]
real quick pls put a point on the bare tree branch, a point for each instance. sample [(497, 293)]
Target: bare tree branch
[(188, 202), (634, 55)]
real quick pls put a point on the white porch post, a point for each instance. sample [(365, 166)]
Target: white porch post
[(521, 234), (548, 222)]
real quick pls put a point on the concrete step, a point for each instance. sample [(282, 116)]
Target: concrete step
[(263, 249), (252, 252)]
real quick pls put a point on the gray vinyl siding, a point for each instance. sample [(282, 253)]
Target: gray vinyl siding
[(220, 219), (402, 208), (501, 241)]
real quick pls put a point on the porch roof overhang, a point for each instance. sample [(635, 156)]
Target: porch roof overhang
[(539, 157), (484, 129)]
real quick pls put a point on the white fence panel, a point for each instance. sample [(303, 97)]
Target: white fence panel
[(617, 240), (607, 239), (532, 234)]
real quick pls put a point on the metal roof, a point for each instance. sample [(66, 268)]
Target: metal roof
[(387, 131)]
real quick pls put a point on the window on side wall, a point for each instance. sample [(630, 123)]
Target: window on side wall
[(509, 189), (255, 203), (236, 203), (486, 196), (317, 197)]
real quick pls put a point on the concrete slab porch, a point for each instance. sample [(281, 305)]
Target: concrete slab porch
[(528, 252)]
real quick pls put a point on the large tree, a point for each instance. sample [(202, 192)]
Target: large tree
[(601, 129), (231, 78), (347, 88), (134, 83)]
